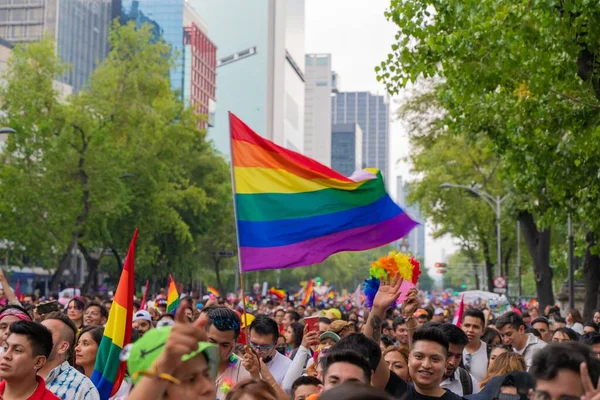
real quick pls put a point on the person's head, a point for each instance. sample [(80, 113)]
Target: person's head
[(512, 330), (8, 316), (496, 352), (87, 345), (223, 329), (397, 361), (401, 331), (574, 316), (324, 324), (563, 335), (472, 324), (63, 332), (422, 316), (355, 391), (438, 315), (341, 328), (196, 373), (596, 318), (592, 339), (290, 317), (359, 343), (26, 350), (278, 316), (75, 310), (427, 360), (556, 369), (94, 314), (491, 337), (526, 318), (142, 322), (457, 340), (542, 325), (252, 389), (590, 327), (516, 385), (558, 323), (263, 336), (293, 334), (505, 363), (304, 386), (387, 328), (345, 366), (107, 304)]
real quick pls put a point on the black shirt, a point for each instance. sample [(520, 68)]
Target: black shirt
[(447, 396), (399, 389)]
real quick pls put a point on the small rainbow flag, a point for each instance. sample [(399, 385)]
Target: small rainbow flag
[(172, 296), (293, 211), (109, 371), (279, 293), (331, 294), (308, 293), (213, 290)]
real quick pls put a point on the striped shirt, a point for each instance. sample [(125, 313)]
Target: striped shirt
[(69, 384)]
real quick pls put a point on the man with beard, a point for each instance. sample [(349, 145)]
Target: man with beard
[(456, 378)]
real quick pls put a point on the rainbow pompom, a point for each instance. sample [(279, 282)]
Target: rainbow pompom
[(226, 385), (387, 267)]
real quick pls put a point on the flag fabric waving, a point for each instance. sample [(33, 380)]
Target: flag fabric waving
[(279, 293), (109, 371), (172, 296), (458, 315), (213, 290), (144, 297), (293, 211), (308, 292)]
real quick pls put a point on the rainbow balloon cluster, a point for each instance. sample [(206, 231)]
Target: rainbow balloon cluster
[(387, 267)]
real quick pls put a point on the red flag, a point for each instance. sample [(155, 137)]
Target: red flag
[(458, 315), (144, 297), (18, 289)]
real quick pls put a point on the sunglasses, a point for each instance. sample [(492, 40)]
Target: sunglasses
[(262, 348)]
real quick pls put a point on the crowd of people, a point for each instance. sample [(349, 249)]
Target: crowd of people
[(280, 350)]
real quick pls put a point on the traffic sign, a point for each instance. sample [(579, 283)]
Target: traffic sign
[(500, 282)]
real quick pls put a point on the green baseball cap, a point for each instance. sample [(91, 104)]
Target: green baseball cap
[(140, 356)]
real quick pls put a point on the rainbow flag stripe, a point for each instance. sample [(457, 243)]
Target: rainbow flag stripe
[(172, 296), (213, 290), (293, 211), (109, 371), (308, 293), (279, 293)]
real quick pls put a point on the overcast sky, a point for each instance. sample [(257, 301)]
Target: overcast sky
[(357, 35)]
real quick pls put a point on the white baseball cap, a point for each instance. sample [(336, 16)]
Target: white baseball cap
[(142, 314)]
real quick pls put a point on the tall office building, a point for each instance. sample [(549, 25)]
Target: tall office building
[(260, 67), (372, 113), (416, 237), (176, 22), (79, 27), (317, 108), (346, 148)]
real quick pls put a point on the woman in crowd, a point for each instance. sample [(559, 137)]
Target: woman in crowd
[(562, 335), (495, 352), (252, 389), (86, 351), (397, 360), (575, 321), (491, 337), (504, 364), (75, 311), (293, 338)]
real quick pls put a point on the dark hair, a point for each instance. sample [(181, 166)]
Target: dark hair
[(534, 332), (499, 346), (542, 320), (454, 334), (325, 320), (555, 357), (387, 342), (560, 320), (385, 324), (103, 310), (590, 338), (57, 315), (253, 388), (95, 331), (350, 357), (576, 315), (431, 334), (520, 380), (354, 391), (510, 318), (569, 332), (279, 309), (37, 335), (592, 325), (596, 311), (264, 325), (79, 303), (294, 316), (224, 319), (304, 380), (398, 321), (297, 334), (475, 313), (360, 344)]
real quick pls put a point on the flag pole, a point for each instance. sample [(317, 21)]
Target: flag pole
[(237, 234)]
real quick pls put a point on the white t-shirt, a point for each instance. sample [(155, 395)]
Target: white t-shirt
[(477, 361), (453, 384), (278, 366)]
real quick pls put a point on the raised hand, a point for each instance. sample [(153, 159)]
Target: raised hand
[(309, 338), (388, 293), (411, 303), (591, 393), (251, 363)]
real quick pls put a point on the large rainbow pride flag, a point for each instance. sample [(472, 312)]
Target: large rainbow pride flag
[(109, 371), (293, 211)]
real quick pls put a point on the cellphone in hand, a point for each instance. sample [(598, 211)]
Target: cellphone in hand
[(47, 308)]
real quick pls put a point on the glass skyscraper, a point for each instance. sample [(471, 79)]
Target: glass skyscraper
[(166, 19), (372, 114), (346, 148)]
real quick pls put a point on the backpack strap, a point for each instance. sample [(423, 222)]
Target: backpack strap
[(465, 381)]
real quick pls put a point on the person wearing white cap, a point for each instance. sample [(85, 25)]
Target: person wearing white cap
[(142, 321), (438, 315)]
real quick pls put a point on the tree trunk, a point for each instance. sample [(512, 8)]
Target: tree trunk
[(591, 271), (538, 245), (506, 271), (92, 267), (473, 260), (488, 265), (63, 264)]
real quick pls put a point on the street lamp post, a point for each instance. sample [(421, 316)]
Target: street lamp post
[(496, 204), (7, 131)]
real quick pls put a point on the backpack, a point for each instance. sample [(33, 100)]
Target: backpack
[(465, 381)]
